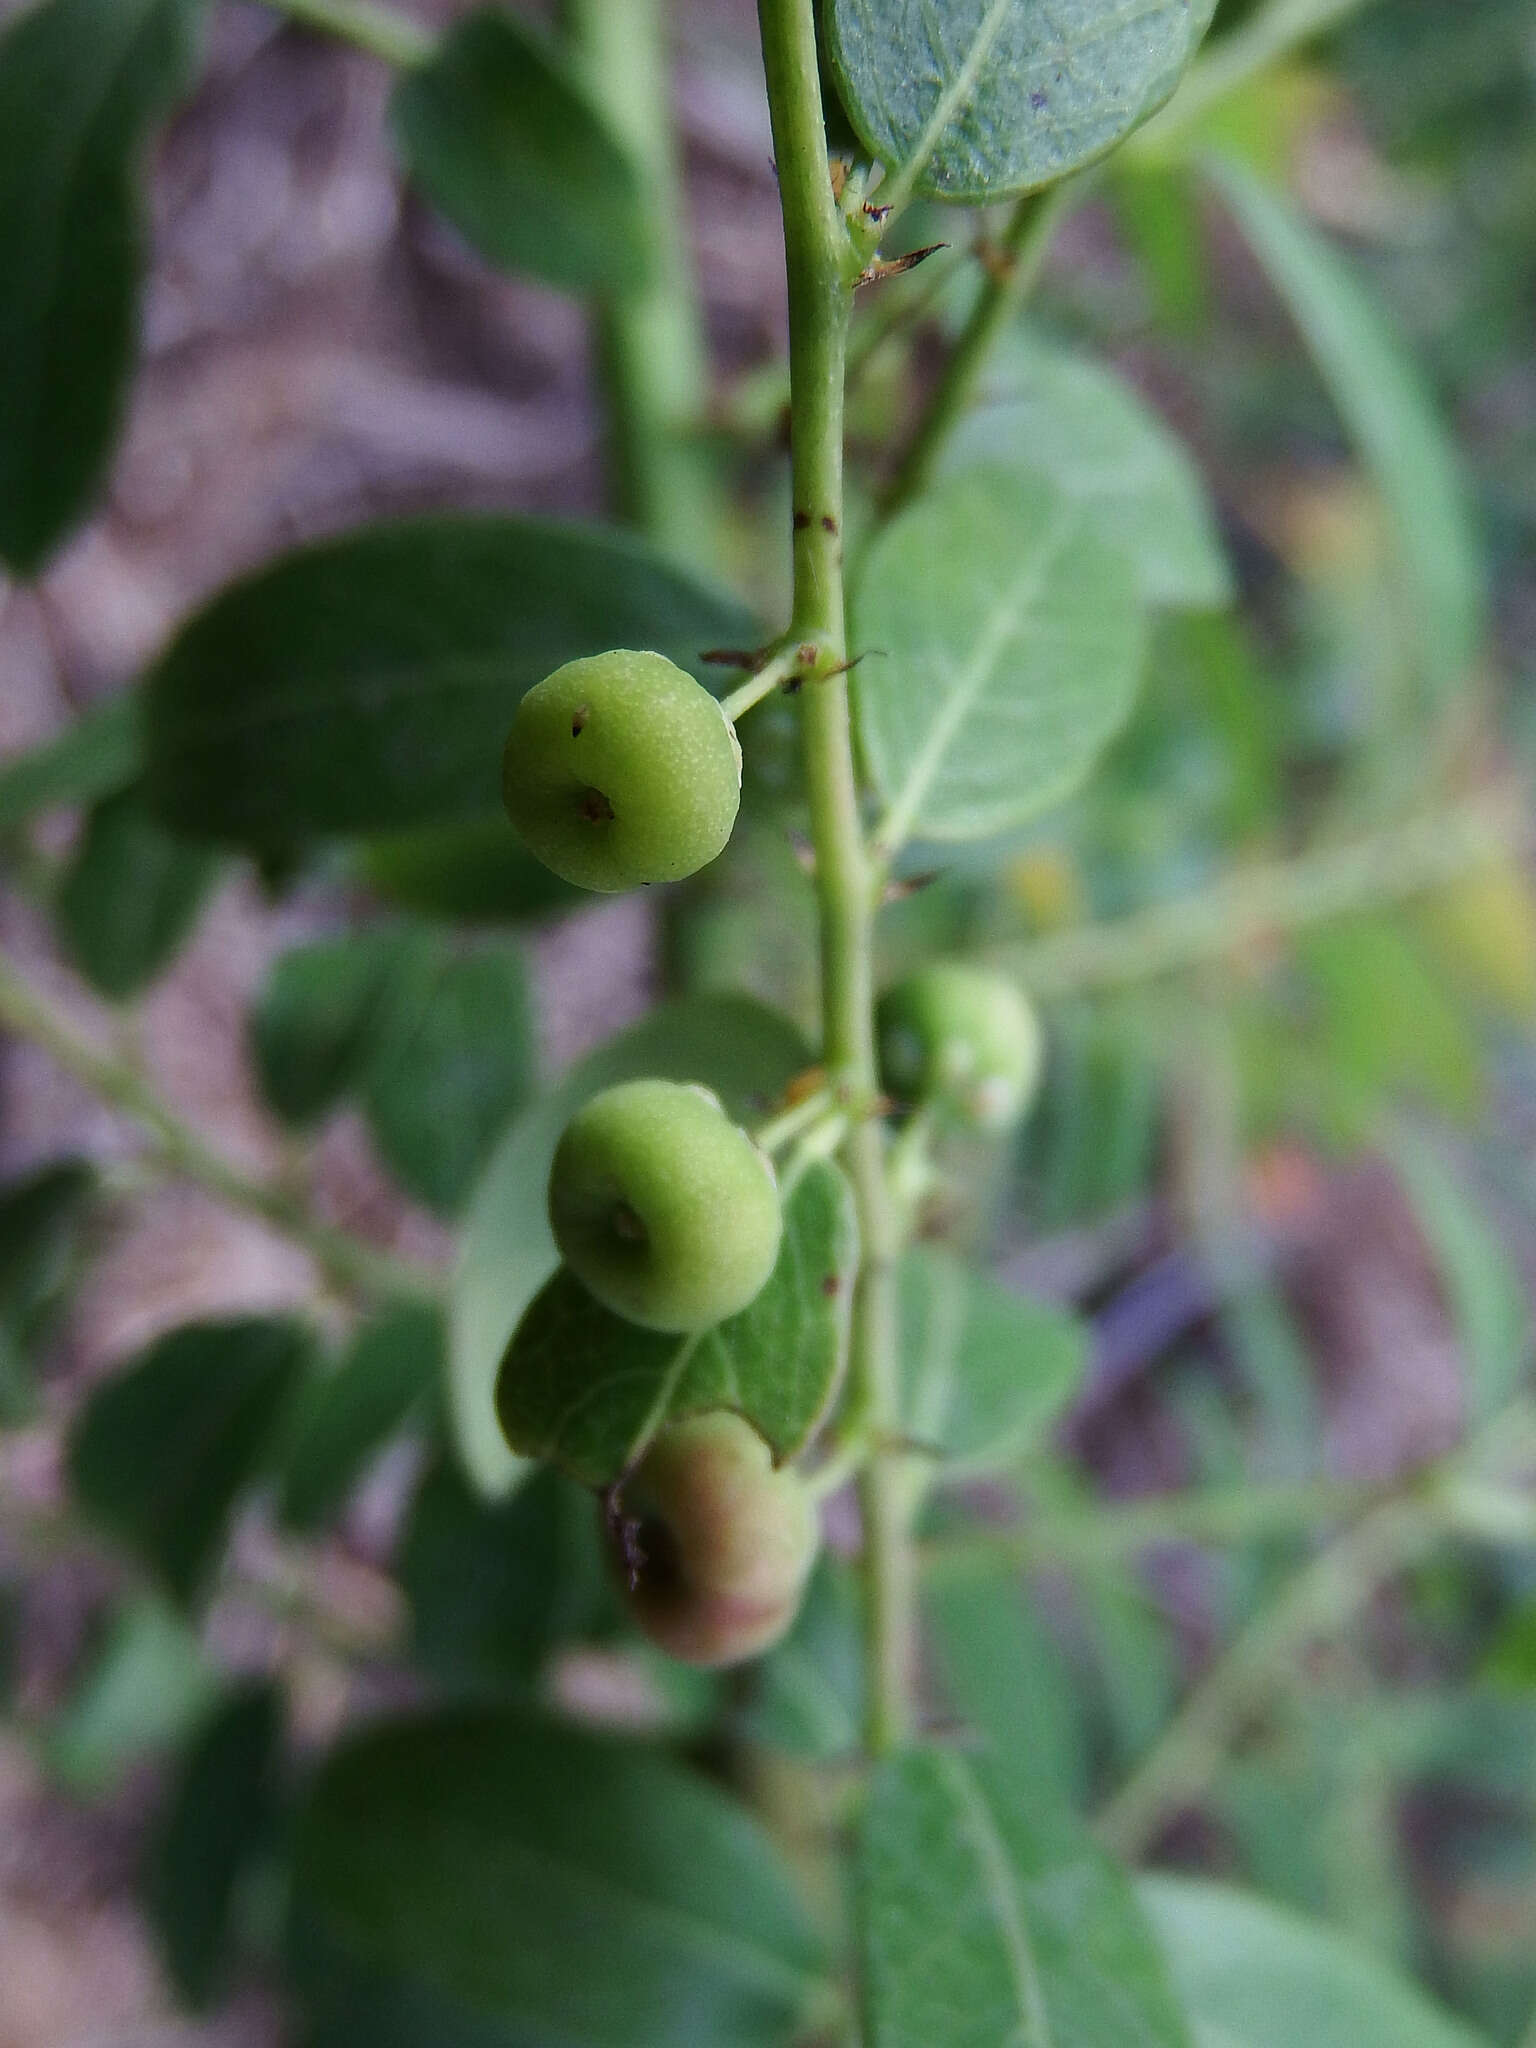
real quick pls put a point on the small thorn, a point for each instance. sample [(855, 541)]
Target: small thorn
[(876, 213), (909, 885), (735, 657), (831, 1286), (893, 266), (802, 521), (579, 719)]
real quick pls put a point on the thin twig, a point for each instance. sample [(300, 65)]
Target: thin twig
[(1275, 897), (182, 1151)]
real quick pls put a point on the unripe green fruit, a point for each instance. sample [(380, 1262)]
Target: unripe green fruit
[(662, 1207), (963, 1040), (620, 769), (724, 1543)]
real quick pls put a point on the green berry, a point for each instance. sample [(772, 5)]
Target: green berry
[(620, 769), (962, 1040), (662, 1207), (724, 1543)]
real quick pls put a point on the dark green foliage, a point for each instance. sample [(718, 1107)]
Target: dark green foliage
[(219, 1817), (493, 1589), (82, 83), (129, 896), (161, 1452), (344, 1417), (465, 1853), (401, 651), (500, 136)]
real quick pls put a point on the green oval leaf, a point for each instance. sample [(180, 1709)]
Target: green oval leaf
[(82, 82), (981, 1921), (586, 1390), (977, 99), (454, 1062), (745, 1052), (1253, 1975), (316, 1025), (984, 1372), (502, 139), (343, 1418), (99, 753), (367, 683), (544, 1884), (130, 896), (1098, 441), (1391, 418), (221, 1812), (160, 1453), (1012, 641)]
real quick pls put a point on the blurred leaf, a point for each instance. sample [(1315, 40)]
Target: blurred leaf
[(1137, 1658), (366, 684), (1482, 1284), (98, 753), (129, 896), (145, 1689), (746, 1053), (494, 1589), (1006, 1678), (984, 1372), (317, 1022), (982, 1922), (40, 1217), (1387, 1022), (547, 1883), (455, 1060), (82, 83), (980, 98), (1081, 425), (585, 1389), (220, 1812), (1511, 1658), (1254, 1976), (479, 873), (1091, 1143), (1013, 640), (1392, 421), (808, 1692), (502, 139), (160, 1452), (1483, 927), (1155, 211), (343, 1418)]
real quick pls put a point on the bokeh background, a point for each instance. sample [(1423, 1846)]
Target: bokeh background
[(1248, 1170)]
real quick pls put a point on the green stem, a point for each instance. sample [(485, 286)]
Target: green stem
[(1324, 1595), (1014, 267), (1109, 1532), (378, 30), (179, 1149), (821, 265), (1275, 897), (651, 339)]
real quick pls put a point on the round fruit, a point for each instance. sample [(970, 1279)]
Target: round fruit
[(963, 1040), (724, 1543), (620, 769), (662, 1207)]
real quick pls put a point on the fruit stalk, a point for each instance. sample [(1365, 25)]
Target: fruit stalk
[(821, 266)]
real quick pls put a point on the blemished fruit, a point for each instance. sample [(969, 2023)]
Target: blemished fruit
[(662, 1207), (722, 1543), (962, 1040), (619, 770)]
